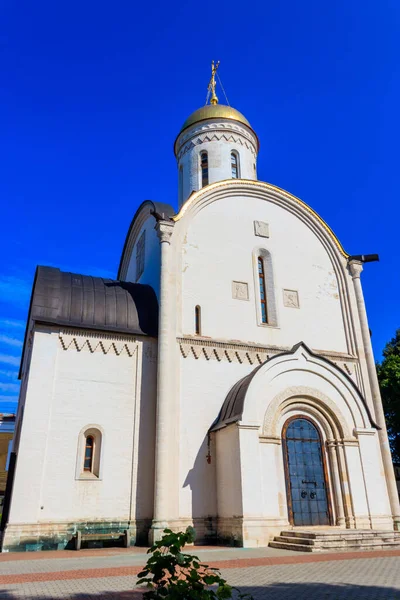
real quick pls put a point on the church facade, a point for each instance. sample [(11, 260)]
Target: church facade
[(224, 380)]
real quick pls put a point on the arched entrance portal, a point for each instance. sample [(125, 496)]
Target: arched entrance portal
[(306, 476)]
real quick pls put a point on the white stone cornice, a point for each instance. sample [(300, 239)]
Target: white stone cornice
[(364, 431), (98, 334), (251, 354), (269, 439)]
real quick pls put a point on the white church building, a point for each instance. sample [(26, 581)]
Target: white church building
[(225, 379)]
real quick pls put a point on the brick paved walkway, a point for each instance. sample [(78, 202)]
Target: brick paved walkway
[(264, 572)]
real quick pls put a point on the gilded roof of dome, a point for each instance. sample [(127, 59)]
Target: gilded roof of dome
[(215, 111)]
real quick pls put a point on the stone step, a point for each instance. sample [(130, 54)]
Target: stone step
[(338, 543), (297, 547), (286, 539), (390, 536), (361, 546), (342, 534), (336, 539)]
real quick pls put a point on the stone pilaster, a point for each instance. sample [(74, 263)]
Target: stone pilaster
[(337, 489), (344, 483), (165, 414), (355, 268)]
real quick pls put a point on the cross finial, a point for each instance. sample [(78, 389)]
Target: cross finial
[(212, 84)]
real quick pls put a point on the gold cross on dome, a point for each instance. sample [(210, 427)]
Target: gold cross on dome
[(212, 84)]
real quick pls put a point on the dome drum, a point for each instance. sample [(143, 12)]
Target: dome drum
[(216, 143)]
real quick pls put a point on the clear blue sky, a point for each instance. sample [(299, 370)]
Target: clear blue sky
[(94, 93)]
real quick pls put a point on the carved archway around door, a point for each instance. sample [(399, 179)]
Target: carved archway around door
[(307, 485)]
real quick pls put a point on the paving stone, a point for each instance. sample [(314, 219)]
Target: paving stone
[(301, 577)]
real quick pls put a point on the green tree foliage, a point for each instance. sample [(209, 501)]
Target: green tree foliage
[(389, 381), (172, 575)]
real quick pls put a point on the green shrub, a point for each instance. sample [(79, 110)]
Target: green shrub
[(172, 575)]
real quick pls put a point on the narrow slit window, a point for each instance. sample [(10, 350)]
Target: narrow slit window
[(234, 165), (204, 168), (197, 320), (263, 295), (89, 447), (140, 254)]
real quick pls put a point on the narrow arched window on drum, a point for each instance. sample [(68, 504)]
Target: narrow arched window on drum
[(204, 168), (234, 165)]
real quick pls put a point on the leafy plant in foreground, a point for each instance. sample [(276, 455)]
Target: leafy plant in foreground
[(389, 381), (172, 575)]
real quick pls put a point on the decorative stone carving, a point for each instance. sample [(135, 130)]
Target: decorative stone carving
[(355, 268), (348, 369), (240, 290), (89, 342), (215, 138), (211, 132), (261, 229), (311, 401), (236, 352), (291, 299), (164, 230)]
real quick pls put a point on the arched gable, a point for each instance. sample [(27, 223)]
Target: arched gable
[(331, 249), (147, 210), (259, 398), (232, 187)]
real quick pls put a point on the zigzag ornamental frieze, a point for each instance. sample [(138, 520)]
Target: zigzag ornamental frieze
[(207, 353), (216, 138), (239, 357), (227, 355), (196, 352), (222, 351), (91, 343), (184, 350), (217, 355), (217, 127), (253, 355), (260, 358)]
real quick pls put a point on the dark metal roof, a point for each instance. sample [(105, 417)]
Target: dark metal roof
[(233, 406), (76, 300), (92, 302)]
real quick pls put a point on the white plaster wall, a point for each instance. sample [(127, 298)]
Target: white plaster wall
[(251, 469), (356, 482), (67, 391), (152, 260), (229, 472), (204, 386), (218, 248), (25, 504), (218, 140), (273, 482), (374, 474)]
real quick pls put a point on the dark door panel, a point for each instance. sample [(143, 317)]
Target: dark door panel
[(305, 472)]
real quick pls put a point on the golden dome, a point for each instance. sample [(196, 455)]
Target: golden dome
[(215, 111)]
